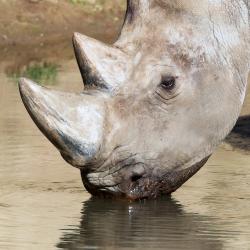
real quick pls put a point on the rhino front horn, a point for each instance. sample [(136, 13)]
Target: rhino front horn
[(100, 65), (73, 123)]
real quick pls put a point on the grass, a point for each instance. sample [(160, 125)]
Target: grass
[(44, 73)]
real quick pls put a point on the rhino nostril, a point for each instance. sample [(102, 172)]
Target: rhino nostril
[(136, 177), (137, 172)]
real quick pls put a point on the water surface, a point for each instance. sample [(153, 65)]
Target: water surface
[(44, 206)]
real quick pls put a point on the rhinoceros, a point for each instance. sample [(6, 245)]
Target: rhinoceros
[(156, 103)]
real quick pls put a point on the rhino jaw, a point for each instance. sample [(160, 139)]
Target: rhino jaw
[(72, 122)]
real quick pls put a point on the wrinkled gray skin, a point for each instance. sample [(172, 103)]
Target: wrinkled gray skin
[(157, 103)]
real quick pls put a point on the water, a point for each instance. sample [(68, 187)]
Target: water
[(43, 204)]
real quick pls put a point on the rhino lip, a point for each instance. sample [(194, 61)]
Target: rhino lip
[(144, 184), (107, 176)]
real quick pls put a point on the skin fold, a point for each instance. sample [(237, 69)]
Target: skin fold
[(156, 103)]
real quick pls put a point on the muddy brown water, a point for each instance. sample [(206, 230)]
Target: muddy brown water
[(43, 204)]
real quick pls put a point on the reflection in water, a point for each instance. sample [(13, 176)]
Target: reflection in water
[(161, 224), (240, 136)]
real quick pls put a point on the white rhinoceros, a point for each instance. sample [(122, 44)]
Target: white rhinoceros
[(156, 103)]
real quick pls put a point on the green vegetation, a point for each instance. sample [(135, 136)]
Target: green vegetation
[(44, 73)]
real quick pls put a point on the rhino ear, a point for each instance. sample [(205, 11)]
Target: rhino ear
[(101, 65)]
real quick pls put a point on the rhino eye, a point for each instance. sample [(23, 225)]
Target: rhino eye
[(168, 82)]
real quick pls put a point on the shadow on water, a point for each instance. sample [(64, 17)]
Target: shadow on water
[(160, 224), (240, 136)]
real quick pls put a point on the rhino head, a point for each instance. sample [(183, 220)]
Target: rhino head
[(156, 103)]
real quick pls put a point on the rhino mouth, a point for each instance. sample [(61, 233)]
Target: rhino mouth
[(139, 181)]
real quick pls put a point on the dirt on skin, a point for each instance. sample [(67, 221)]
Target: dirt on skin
[(34, 30)]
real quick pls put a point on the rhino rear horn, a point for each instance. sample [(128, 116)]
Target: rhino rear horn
[(136, 9), (100, 65)]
